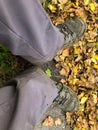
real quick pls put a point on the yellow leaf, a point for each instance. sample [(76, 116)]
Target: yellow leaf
[(86, 2), (83, 129), (95, 57), (83, 100), (91, 122), (77, 2), (81, 95), (58, 121), (52, 8), (81, 108), (95, 66), (91, 41), (93, 60), (77, 50), (92, 6), (73, 81), (62, 57), (75, 70), (95, 98), (70, 65)]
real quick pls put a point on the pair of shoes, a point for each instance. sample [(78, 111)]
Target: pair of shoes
[(73, 30)]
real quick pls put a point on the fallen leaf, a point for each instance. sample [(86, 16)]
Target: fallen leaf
[(58, 121), (65, 52), (77, 50), (92, 6), (48, 72), (62, 72), (62, 81), (52, 8), (95, 66), (54, 1), (86, 2), (63, 1), (48, 121), (83, 100)]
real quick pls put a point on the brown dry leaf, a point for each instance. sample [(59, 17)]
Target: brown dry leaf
[(68, 117), (54, 1), (95, 98), (80, 13), (78, 58), (63, 81), (81, 95), (57, 58), (49, 121), (65, 52), (62, 72)]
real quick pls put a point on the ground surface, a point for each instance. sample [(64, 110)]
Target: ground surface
[(79, 65)]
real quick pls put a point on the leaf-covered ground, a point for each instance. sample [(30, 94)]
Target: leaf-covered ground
[(79, 64)]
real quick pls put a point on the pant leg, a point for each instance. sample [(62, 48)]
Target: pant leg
[(8, 96), (35, 93), (27, 31)]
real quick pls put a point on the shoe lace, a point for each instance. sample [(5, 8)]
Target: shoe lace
[(69, 35)]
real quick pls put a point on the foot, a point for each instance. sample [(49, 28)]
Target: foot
[(73, 30), (54, 72), (66, 100)]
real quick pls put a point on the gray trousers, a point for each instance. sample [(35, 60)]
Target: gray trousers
[(28, 32)]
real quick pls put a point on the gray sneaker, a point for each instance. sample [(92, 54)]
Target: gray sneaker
[(66, 100), (73, 30)]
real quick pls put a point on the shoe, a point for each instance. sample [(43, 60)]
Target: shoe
[(73, 30), (54, 72), (66, 100)]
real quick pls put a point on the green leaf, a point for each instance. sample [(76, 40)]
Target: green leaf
[(48, 72)]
